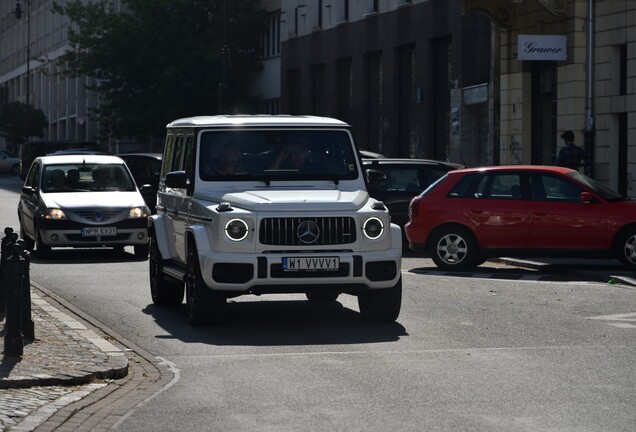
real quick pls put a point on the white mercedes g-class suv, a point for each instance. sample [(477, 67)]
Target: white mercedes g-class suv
[(269, 204)]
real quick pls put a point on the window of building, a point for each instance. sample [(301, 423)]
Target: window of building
[(316, 14), (622, 80), (343, 10), (271, 38)]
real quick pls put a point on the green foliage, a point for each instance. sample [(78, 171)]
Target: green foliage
[(159, 60), (13, 122)]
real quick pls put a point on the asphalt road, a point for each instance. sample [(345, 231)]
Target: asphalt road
[(499, 350)]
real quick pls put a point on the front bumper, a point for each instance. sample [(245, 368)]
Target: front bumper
[(68, 233), (264, 273)]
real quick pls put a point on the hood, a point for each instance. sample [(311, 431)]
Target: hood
[(293, 200), (76, 200)]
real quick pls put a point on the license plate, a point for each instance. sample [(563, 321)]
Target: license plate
[(99, 231), (311, 263)]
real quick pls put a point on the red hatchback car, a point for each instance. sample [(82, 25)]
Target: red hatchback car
[(522, 211)]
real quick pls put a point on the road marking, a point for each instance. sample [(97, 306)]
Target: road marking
[(621, 318)]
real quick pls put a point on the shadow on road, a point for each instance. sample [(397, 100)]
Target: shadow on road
[(265, 322), (86, 255)]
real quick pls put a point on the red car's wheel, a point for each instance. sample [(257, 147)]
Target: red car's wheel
[(454, 248)]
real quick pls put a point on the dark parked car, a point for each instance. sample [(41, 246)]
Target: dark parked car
[(521, 211), (405, 179), (145, 168)]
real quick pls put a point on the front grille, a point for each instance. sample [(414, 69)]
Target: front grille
[(97, 216), (284, 231)]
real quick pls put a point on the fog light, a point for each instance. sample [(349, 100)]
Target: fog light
[(141, 236), (55, 237)]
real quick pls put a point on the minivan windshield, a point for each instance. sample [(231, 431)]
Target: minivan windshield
[(268, 155), (86, 177)]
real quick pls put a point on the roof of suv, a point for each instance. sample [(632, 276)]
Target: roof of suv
[(257, 120)]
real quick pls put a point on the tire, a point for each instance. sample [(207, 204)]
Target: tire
[(626, 248), (165, 291), (141, 250), (28, 241), (381, 305), (322, 296), (42, 250), (15, 170), (454, 248), (203, 305)]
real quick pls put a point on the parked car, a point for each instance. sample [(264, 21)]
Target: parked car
[(405, 179), (521, 211), (146, 169), (82, 201), (9, 163)]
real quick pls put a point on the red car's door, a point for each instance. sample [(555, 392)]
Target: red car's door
[(558, 220), (498, 213)]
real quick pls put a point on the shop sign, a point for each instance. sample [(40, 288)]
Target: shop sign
[(542, 47)]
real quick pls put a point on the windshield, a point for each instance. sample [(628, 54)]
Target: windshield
[(86, 178), (277, 155), (605, 192)]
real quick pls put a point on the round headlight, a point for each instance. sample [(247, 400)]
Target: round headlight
[(236, 230), (373, 228)]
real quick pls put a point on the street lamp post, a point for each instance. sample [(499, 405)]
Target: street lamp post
[(18, 14)]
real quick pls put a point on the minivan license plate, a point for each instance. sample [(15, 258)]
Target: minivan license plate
[(311, 263), (99, 231)]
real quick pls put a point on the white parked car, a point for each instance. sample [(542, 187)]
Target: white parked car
[(82, 201), (9, 163), (269, 204)]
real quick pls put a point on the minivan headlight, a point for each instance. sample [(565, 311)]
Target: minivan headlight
[(138, 212), (236, 230), (373, 228), (54, 214)]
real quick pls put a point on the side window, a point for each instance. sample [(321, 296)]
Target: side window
[(189, 157), (550, 188), (177, 158), (463, 187), (33, 177), (499, 186), (167, 155)]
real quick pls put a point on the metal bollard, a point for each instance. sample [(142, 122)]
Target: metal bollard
[(3, 255), (28, 328), (14, 266)]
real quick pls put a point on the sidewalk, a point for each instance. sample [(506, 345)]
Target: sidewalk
[(65, 351)]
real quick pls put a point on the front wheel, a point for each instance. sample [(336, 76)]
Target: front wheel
[(381, 305), (28, 241), (141, 250), (626, 248), (42, 250), (165, 291), (454, 248), (203, 305)]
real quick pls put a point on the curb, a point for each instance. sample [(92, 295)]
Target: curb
[(597, 276)]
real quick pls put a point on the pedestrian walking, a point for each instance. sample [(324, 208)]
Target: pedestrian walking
[(571, 155)]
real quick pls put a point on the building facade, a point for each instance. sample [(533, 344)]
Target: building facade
[(413, 78), (40, 36), (591, 90), (25, 42)]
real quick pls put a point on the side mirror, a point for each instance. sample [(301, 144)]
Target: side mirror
[(176, 180), (375, 178), (585, 197), (28, 190)]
